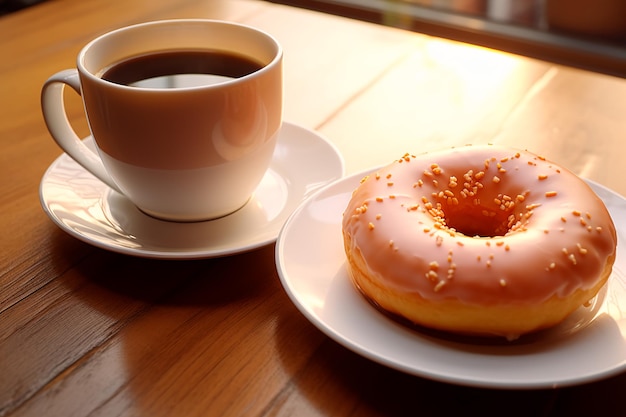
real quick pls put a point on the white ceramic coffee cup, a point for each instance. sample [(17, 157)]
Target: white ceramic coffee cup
[(186, 153)]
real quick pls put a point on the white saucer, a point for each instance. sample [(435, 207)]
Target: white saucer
[(86, 208), (310, 259)]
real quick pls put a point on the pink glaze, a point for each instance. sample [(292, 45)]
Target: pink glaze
[(542, 231)]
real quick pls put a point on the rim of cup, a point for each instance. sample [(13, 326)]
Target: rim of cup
[(95, 75)]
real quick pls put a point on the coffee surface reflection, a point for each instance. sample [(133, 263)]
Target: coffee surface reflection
[(179, 69)]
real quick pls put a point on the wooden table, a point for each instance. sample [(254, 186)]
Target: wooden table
[(84, 331)]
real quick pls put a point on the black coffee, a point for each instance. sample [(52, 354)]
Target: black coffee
[(176, 69)]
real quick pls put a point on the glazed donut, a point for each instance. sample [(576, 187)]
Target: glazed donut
[(478, 240)]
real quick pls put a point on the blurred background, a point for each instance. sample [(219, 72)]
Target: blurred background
[(8, 6), (589, 34)]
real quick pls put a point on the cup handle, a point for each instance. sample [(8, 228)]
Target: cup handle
[(53, 108)]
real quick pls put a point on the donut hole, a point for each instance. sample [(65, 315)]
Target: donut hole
[(477, 221), (473, 223)]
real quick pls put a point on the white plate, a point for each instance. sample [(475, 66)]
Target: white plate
[(310, 259), (84, 207)]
